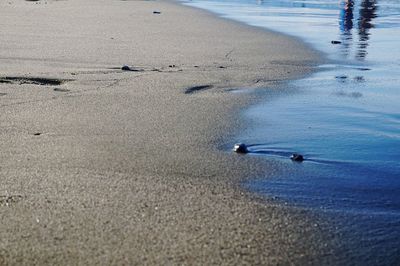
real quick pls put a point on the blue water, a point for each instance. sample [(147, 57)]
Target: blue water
[(344, 119)]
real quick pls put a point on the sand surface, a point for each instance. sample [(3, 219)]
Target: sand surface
[(103, 166)]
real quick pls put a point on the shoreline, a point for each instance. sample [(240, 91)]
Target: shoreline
[(122, 171)]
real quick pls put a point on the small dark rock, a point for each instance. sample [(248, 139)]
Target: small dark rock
[(336, 42), (156, 12), (37, 134), (297, 157), (240, 148), (126, 68)]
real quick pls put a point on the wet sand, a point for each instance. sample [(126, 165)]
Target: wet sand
[(103, 166)]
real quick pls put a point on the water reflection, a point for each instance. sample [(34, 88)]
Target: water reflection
[(346, 16), (367, 12), (346, 25)]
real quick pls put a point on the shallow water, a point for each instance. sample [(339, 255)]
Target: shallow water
[(345, 119)]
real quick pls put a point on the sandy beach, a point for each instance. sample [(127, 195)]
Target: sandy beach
[(111, 167)]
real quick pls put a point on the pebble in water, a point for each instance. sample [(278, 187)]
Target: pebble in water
[(297, 157), (240, 148)]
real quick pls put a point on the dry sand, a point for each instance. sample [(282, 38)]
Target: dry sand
[(122, 168)]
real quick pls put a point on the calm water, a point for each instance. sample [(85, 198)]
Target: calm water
[(345, 119)]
